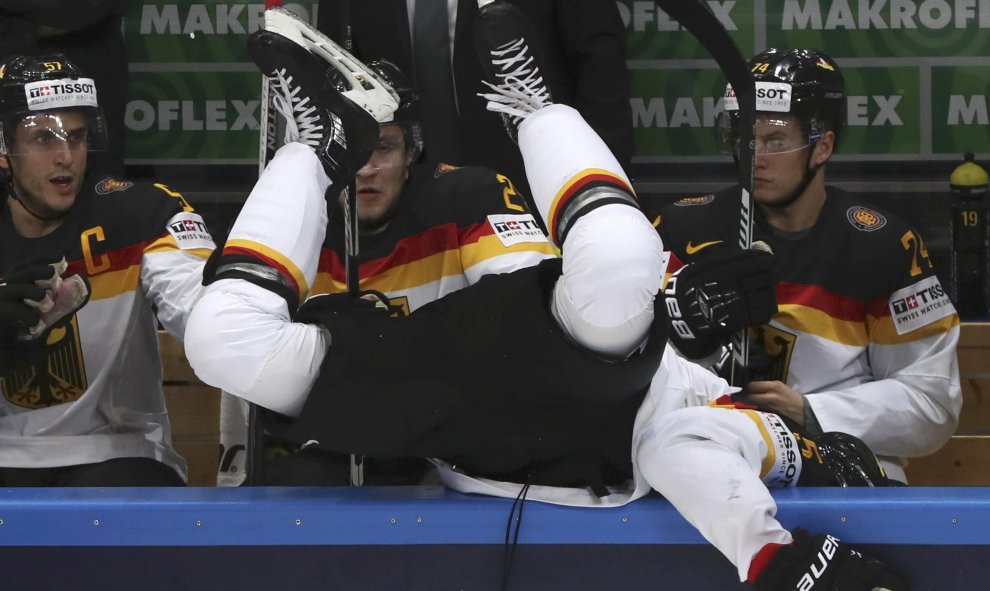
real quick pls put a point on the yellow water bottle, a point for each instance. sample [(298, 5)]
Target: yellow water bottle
[(969, 238)]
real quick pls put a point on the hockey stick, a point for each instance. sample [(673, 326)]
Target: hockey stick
[(713, 36), (352, 276), (267, 144)]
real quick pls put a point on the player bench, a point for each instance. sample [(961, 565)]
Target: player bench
[(965, 459), (194, 411)]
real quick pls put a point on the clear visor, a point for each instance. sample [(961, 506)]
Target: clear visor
[(77, 130), (390, 152), (774, 135)]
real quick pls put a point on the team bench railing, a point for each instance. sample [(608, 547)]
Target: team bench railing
[(428, 538)]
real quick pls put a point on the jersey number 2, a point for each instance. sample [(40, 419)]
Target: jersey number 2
[(911, 241), (509, 193)]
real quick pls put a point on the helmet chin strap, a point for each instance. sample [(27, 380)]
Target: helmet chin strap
[(809, 175)]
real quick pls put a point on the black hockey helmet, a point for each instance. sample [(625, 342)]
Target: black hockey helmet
[(806, 83), (407, 115), (39, 88)]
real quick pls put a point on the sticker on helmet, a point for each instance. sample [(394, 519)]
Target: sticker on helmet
[(60, 94), (770, 96)]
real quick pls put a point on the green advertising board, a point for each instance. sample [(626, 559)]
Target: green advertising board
[(917, 71), (194, 94)]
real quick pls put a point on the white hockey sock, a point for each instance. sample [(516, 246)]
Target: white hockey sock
[(564, 158), (283, 222)]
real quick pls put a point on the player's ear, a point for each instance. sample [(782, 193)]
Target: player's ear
[(823, 148), (4, 162)]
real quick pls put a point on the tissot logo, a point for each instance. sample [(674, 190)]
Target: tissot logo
[(64, 88), (520, 224), (921, 298), (919, 305), (772, 93), (187, 226)]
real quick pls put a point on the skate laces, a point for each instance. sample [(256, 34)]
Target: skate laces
[(520, 89), (302, 121)]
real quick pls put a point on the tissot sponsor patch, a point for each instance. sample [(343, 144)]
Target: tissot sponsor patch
[(783, 462), (109, 185), (770, 96), (59, 94), (513, 229), (918, 305), (189, 231)]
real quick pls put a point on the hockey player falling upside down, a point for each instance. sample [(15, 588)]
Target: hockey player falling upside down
[(586, 380)]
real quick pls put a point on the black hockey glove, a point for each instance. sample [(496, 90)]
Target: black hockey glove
[(823, 563), (712, 298), (17, 288), (320, 309), (54, 298)]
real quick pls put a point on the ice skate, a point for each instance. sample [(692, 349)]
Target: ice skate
[(511, 57), (317, 113)]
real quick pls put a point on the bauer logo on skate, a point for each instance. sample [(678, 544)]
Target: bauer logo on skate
[(920, 304), (514, 229)]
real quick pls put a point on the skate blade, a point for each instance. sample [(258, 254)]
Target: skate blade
[(367, 89)]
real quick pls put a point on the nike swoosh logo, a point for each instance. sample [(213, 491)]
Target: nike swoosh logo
[(691, 249)]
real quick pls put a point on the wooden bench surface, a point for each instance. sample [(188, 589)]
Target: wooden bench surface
[(965, 459), (194, 410)]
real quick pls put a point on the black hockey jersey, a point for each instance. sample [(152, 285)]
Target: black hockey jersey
[(864, 329), (450, 229), (90, 389)]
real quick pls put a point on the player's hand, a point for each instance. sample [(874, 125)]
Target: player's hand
[(21, 298), (710, 299), (34, 296), (774, 396), (320, 307)]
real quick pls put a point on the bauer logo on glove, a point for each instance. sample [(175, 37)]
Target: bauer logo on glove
[(708, 300)]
